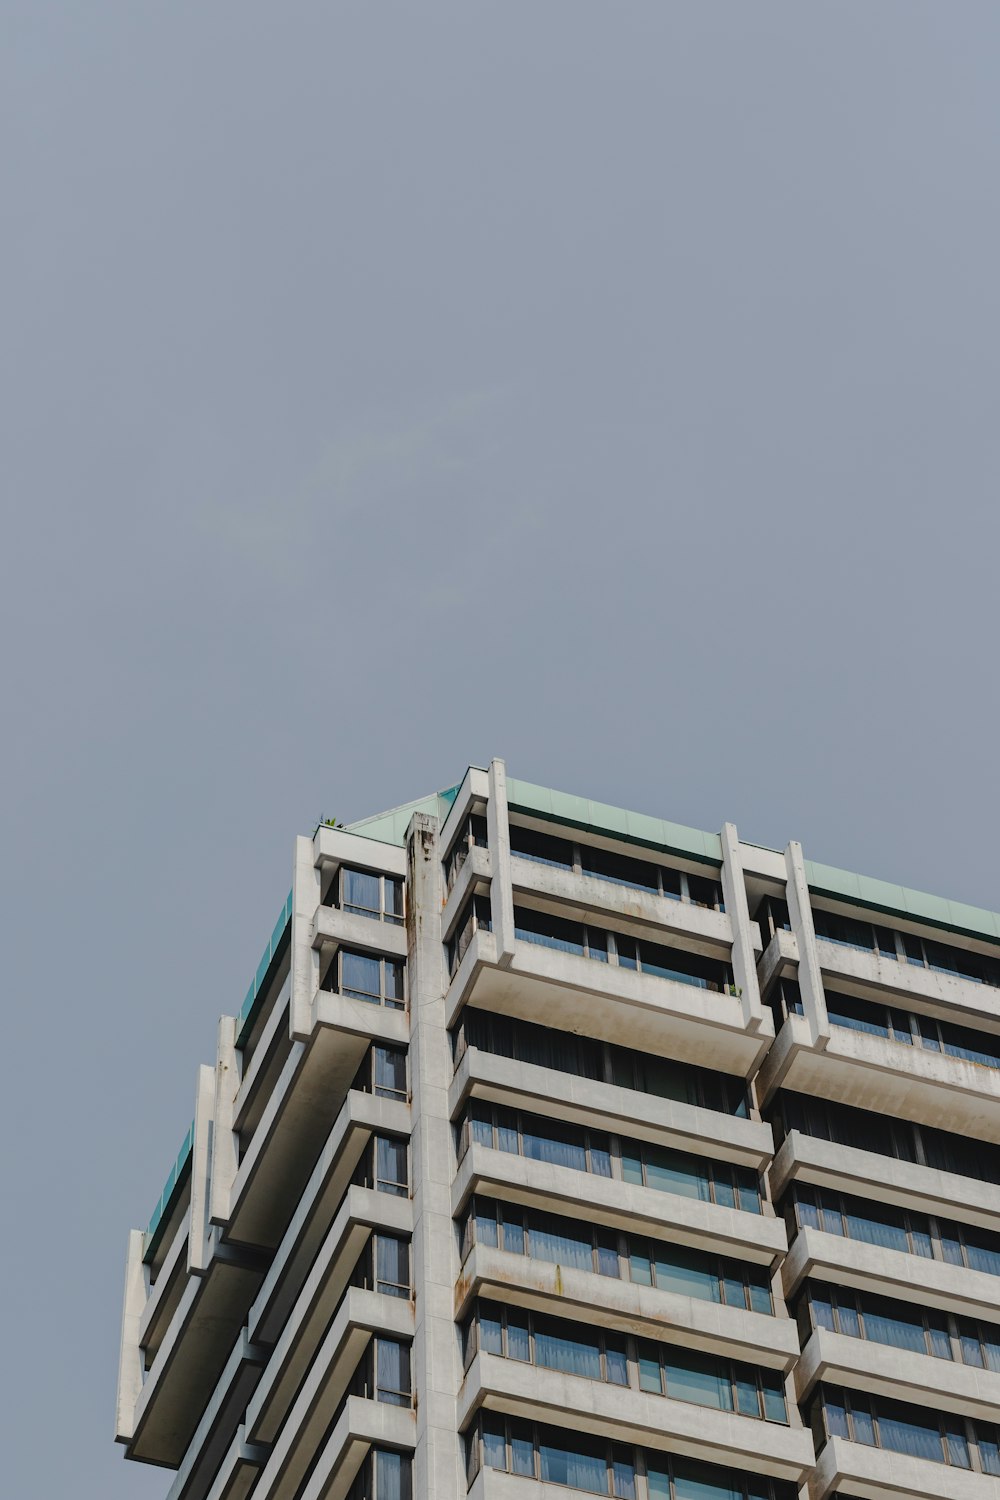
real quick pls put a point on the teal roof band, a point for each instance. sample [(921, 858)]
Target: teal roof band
[(631, 827), (259, 982), (176, 1178), (898, 901)]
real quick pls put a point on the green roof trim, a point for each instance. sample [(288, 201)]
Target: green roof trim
[(172, 1188), (274, 951), (390, 827), (615, 822), (898, 901)]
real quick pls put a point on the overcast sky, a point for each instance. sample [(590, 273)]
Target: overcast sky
[(384, 387)]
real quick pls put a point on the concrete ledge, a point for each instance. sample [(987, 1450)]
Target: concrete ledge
[(874, 1073), (362, 1425), (238, 1473), (477, 870), (264, 1066), (322, 1198), (866, 1174), (298, 1411), (217, 1429), (331, 925), (190, 1360), (941, 1384), (780, 960), (638, 913), (875, 1474), (949, 997), (647, 1312), (625, 1415), (337, 846), (891, 1273), (166, 1292), (302, 1330), (566, 991), (621, 1205), (606, 1106), (298, 1115)]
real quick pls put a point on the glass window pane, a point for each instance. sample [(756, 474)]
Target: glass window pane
[(360, 891), (360, 975)]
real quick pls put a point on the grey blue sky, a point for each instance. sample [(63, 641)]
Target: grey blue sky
[(383, 387)]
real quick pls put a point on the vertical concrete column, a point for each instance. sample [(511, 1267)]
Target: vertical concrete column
[(436, 1369), (129, 1356), (810, 978), (734, 893), (501, 887), (198, 1248), (225, 1146), (304, 959)]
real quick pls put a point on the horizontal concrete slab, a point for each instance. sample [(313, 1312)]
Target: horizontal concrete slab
[(606, 1106), (861, 1364), (647, 1312), (633, 1416), (621, 1205), (612, 1003), (867, 1174)]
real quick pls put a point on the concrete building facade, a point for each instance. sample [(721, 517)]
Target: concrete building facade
[(557, 1151)]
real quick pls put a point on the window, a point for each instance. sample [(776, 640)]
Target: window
[(384, 1476), (525, 843), (586, 941), (383, 1166), (883, 1320), (905, 947), (383, 1073), (367, 894), (865, 1130), (515, 1446), (637, 1162), (891, 1228), (608, 1252), (384, 1266), (383, 1373), (610, 1357), (673, 1171), (366, 976), (880, 1423), (587, 1058)]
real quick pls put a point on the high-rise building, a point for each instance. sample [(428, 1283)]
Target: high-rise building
[(559, 1151)]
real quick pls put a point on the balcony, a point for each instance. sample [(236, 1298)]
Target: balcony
[(625, 1306), (899, 1374), (310, 1089), (574, 1403), (804, 1158), (217, 1430), (239, 1469), (360, 1117), (566, 991), (619, 1205), (299, 1334), (876, 1474), (608, 1107), (892, 1273), (334, 927), (637, 912), (950, 997), (362, 1425), (302, 1427), (875, 1073), (190, 1358)]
